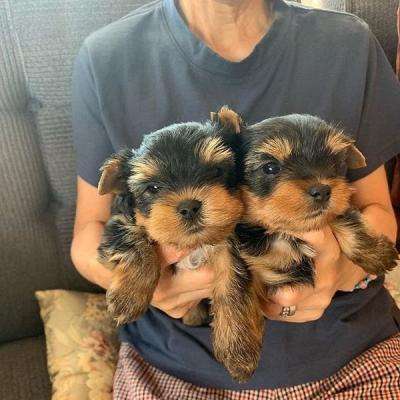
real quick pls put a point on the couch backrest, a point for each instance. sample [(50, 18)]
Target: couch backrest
[(38, 42)]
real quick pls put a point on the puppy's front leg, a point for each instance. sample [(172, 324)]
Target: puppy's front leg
[(375, 254), (136, 271), (237, 319)]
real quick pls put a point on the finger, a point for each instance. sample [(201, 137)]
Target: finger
[(330, 263), (323, 242), (327, 265), (299, 317), (187, 280), (169, 255), (272, 311), (173, 290), (178, 312), (324, 286), (316, 238), (316, 301), (289, 296)]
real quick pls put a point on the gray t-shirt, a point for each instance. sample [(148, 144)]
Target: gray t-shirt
[(148, 70)]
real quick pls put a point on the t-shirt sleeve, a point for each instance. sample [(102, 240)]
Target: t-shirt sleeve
[(378, 135), (91, 142)]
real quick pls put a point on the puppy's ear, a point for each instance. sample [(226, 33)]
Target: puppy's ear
[(113, 173), (355, 159), (337, 141), (227, 120)]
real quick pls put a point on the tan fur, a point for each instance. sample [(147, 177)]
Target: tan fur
[(237, 320), (228, 118), (143, 170), (346, 237), (355, 159), (337, 142), (281, 255), (109, 180), (139, 269), (262, 267), (221, 210), (213, 150), (376, 254), (289, 209), (279, 148)]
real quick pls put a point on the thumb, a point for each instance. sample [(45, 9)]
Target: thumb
[(319, 240), (170, 255)]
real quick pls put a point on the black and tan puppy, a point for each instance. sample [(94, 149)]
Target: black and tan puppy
[(295, 181), (180, 188)]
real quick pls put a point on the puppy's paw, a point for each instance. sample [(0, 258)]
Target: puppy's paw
[(125, 307), (240, 356), (376, 257), (375, 254), (387, 257), (241, 372)]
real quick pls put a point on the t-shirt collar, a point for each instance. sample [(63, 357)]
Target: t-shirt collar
[(202, 56)]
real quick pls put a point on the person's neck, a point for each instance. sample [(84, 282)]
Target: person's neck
[(231, 28)]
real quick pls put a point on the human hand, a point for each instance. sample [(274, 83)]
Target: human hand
[(177, 293), (333, 272)]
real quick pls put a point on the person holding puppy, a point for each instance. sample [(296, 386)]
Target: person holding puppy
[(175, 61)]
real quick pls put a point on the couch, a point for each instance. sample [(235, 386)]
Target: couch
[(38, 42)]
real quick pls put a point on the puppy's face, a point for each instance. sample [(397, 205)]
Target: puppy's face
[(183, 182), (295, 170)]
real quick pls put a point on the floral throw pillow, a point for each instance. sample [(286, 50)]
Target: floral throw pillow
[(82, 346)]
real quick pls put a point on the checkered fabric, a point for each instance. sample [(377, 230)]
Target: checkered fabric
[(374, 375)]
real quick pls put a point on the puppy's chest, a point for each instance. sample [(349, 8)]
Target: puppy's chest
[(267, 254)]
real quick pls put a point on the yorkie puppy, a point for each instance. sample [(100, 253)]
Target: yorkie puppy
[(180, 188), (295, 181)]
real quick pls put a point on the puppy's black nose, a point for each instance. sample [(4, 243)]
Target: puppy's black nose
[(320, 193), (189, 208)]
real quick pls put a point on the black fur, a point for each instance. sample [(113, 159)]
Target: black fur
[(253, 239)]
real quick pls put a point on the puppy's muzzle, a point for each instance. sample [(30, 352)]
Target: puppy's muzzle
[(320, 194), (189, 210)]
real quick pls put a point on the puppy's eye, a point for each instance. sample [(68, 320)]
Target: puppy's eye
[(153, 189), (271, 168)]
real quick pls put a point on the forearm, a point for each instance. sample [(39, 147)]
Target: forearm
[(84, 254), (372, 197), (381, 220)]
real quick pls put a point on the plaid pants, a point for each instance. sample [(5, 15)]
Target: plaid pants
[(374, 375)]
